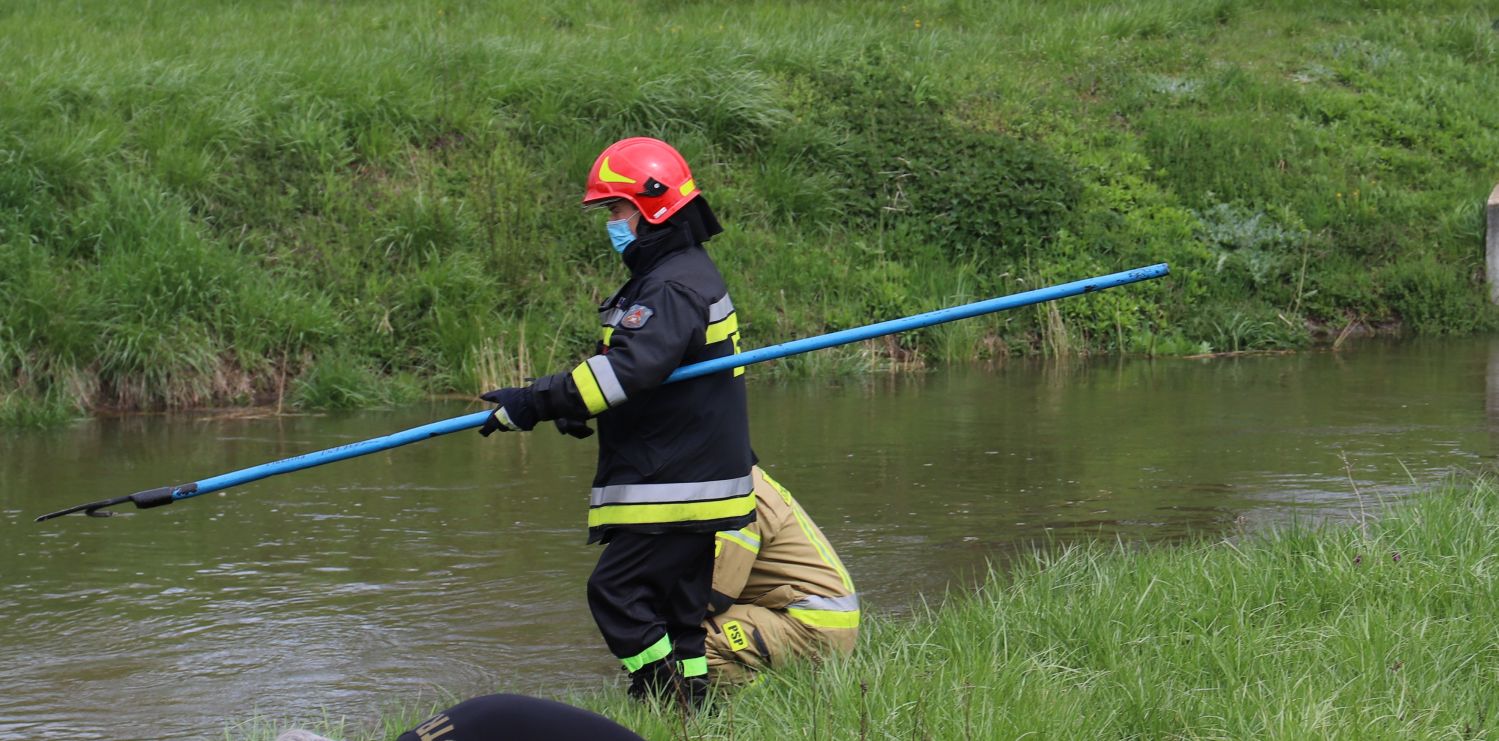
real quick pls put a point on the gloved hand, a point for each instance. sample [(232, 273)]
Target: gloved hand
[(575, 427), (514, 411)]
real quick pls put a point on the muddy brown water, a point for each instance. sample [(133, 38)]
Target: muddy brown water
[(458, 564)]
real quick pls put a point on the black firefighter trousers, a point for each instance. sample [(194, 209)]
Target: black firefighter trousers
[(649, 586)]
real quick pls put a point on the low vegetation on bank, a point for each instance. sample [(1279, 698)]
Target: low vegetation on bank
[(1375, 629), (326, 206)]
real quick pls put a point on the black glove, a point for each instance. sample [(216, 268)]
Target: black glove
[(575, 427), (514, 412)]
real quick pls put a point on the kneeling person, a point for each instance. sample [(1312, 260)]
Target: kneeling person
[(779, 591)]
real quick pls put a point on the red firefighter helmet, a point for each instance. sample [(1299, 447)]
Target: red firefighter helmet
[(644, 171)]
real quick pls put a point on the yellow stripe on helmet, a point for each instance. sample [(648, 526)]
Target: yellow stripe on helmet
[(608, 175)]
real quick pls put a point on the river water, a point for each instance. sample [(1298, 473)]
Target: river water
[(458, 564)]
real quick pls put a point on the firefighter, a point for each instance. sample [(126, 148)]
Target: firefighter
[(779, 591), (674, 460)]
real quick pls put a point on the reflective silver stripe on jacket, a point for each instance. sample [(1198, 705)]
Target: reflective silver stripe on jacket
[(698, 491), (720, 310), (847, 603), (611, 317), (603, 372), (747, 539)]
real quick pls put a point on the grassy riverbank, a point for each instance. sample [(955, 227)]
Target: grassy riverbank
[(1385, 630), (331, 207)]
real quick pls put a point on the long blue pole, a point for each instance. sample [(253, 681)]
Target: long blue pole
[(169, 494)]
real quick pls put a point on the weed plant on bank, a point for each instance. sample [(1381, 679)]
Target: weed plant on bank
[(1385, 630), (335, 206)]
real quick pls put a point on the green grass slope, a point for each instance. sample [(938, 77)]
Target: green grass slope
[(1380, 631), (340, 205)]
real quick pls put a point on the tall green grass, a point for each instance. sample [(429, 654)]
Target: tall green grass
[(1379, 629), (205, 204)]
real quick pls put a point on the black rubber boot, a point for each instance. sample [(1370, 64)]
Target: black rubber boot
[(654, 681), (695, 692), (660, 681)]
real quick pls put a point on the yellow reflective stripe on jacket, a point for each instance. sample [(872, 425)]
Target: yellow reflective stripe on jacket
[(826, 612), (825, 618), (690, 501), (640, 514), (610, 319), (723, 324), (588, 388), (846, 603), (597, 384), (686, 491), (824, 551), (742, 538), (720, 331)]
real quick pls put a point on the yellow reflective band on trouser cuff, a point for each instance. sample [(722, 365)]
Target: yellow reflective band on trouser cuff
[(693, 667), (640, 514), (658, 651), (825, 618)]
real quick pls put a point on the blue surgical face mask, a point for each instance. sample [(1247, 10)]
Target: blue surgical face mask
[(620, 234)]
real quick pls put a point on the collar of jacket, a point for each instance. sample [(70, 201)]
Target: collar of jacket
[(648, 250)]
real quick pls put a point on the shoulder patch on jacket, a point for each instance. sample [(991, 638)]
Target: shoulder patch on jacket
[(637, 316)]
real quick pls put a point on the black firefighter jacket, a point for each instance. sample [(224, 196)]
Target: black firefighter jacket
[(673, 457)]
